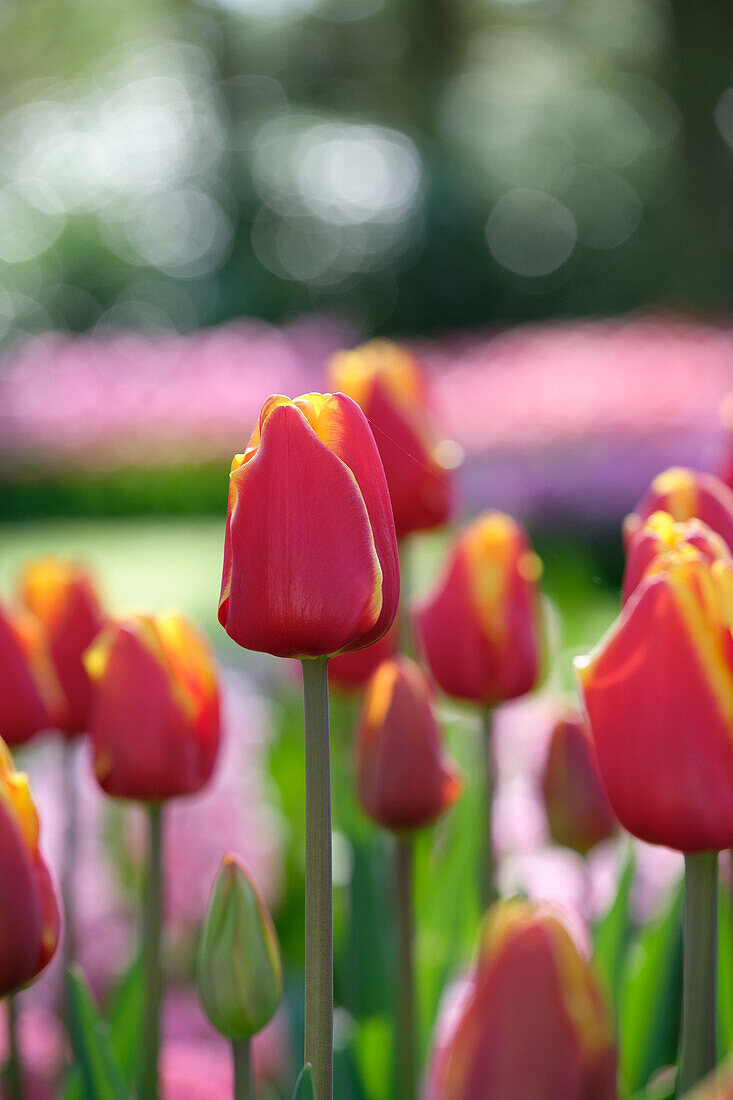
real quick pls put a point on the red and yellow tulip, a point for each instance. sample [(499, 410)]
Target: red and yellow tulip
[(481, 632), (578, 813), (686, 494), (388, 383), (658, 690), (31, 699), (29, 913), (63, 596), (530, 1023), (155, 708), (404, 779), (310, 559)]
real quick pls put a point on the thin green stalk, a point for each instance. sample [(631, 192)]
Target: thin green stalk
[(404, 619), (13, 1074), (406, 1030), (244, 1084), (488, 864), (318, 890), (152, 936), (698, 1054)]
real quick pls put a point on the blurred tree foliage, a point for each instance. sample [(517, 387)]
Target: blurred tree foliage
[(418, 164)]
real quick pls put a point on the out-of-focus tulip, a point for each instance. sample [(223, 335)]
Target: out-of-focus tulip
[(62, 595), (659, 534), (310, 557), (239, 969), (686, 494), (29, 913), (481, 632), (404, 779), (658, 690), (387, 381), (578, 812), (530, 1023), (155, 708), (351, 671), (31, 699)]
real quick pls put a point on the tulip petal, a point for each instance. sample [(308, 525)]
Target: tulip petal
[(304, 576)]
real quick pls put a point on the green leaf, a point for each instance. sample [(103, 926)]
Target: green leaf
[(100, 1076), (725, 971), (612, 934), (650, 1000), (304, 1088), (124, 1012)]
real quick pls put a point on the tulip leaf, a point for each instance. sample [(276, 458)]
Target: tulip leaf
[(725, 971), (124, 1012), (650, 999), (304, 1087), (612, 934), (100, 1076)]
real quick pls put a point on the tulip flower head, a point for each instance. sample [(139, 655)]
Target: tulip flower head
[(62, 595), (155, 708), (404, 780), (239, 970), (661, 534), (686, 494), (531, 1021), (310, 557), (31, 699), (481, 632), (578, 812), (29, 913), (387, 382), (658, 692)]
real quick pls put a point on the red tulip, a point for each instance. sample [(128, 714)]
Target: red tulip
[(659, 534), (155, 708), (29, 913), (481, 631), (30, 699), (389, 384), (62, 595), (310, 558), (403, 777), (578, 812), (351, 671), (685, 494), (531, 1023), (658, 691)]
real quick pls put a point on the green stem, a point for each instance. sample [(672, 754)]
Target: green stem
[(13, 1075), (152, 935), (698, 1056), (244, 1086), (406, 1030), (488, 863), (318, 890), (404, 619)]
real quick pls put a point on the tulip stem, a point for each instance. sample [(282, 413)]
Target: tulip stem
[(13, 1070), (404, 619), (488, 863), (318, 890), (71, 832), (244, 1088), (152, 936), (698, 1053), (405, 1034)]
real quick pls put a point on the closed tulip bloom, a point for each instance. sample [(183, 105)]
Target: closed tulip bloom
[(686, 494), (239, 970), (310, 557), (155, 708), (350, 671), (481, 632), (62, 595), (404, 779), (661, 533), (31, 698), (531, 1023), (389, 384), (578, 812), (658, 691), (29, 913)]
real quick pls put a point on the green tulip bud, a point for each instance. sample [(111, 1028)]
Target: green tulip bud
[(239, 970)]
